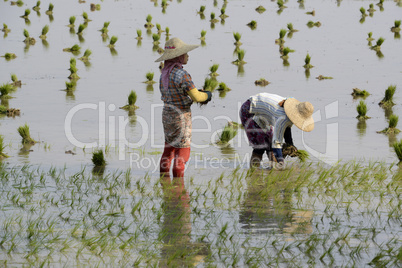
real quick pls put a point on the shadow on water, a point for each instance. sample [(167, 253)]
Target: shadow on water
[(178, 250)]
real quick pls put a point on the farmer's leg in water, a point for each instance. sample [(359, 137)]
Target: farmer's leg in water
[(166, 160), (256, 157), (181, 156)]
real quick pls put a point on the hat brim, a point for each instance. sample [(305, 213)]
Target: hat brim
[(305, 124), (171, 54)]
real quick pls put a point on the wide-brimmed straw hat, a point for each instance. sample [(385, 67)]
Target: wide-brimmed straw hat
[(300, 113), (175, 47)]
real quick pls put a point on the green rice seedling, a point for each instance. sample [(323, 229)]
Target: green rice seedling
[(213, 70), (261, 82), (392, 123), (363, 12), (26, 14), (281, 4), (150, 78), (113, 41), (240, 57), (2, 147), (371, 9), (86, 55), (359, 93), (74, 49), (227, 134), (167, 31), (387, 101), (16, 82), (377, 46), (302, 155), (212, 18), (285, 53), (9, 56), (164, 4), (5, 29), (71, 21), (312, 13), (139, 34), (5, 90), (397, 27), (50, 9), (132, 99), (25, 135), (380, 3), (3, 109), (73, 70), (156, 37), (307, 60), (398, 150), (291, 29), (370, 37), (260, 9), (158, 28), (321, 77), (311, 24), (104, 29), (148, 23), (203, 34), (282, 34), (252, 24), (37, 6), (85, 17), (202, 9), (223, 14), (210, 84), (223, 87), (237, 37), (70, 86), (98, 158), (45, 30), (362, 111)]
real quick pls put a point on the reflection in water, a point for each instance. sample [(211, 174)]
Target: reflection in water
[(267, 206), (178, 250), (24, 152), (150, 88), (307, 73), (113, 51), (361, 127), (391, 139), (387, 111), (227, 150), (45, 43), (240, 70)]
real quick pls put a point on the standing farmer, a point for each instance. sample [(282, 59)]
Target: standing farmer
[(177, 93), (267, 119)]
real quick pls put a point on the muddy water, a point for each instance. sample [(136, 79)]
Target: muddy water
[(338, 49)]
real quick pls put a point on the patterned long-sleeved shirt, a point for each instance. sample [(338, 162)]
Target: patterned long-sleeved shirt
[(268, 113), (180, 83)]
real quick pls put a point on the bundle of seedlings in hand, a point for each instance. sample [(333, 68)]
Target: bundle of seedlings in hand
[(28, 40), (223, 16), (311, 24), (98, 159), (25, 135), (260, 9), (213, 19), (228, 133), (398, 150), (139, 34), (237, 37), (26, 14), (252, 24), (104, 29), (5, 29), (387, 101), (74, 49), (37, 6), (72, 21), (397, 27), (148, 23), (292, 151), (240, 57), (50, 9), (16, 82), (280, 40), (5, 90), (392, 123), (203, 34), (2, 147), (261, 82), (210, 84), (45, 30), (73, 70), (156, 37), (213, 70), (85, 17), (362, 111), (150, 77), (359, 93), (132, 99), (377, 46), (307, 64), (85, 57), (9, 56), (113, 41)]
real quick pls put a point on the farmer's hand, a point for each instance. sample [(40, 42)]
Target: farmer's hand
[(209, 93)]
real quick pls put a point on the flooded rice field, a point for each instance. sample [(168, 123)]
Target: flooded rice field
[(341, 207)]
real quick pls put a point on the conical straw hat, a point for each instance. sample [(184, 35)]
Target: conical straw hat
[(300, 113), (175, 47)]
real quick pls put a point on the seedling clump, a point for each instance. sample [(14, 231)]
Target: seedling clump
[(387, 101), (50, 9), (86, 55), (98, 159), (240, 57), (228, 133), (74, 49), (156, 37), (392, 123), (28, 40), (72, 21), (213, 19), (359, 93), (370, 37), (280, 40), (9, 56), (139, 34), (132, 99), (223, 16), (85, 17), (45, 30), (223, 87), (5, 90), (25, 135), (311, 24), (213, 70), (81, 28), (26, 14), (37, 6), (73, 70), (321, 77), (377, 46), (5, 29), (210, 84), (261, 82), (150, 77), (113, 41), (16, 82), (362, 111), (104, 29), (252, 24), (203, 34), (397, 27), (398, 150), (237, 37), (260, 9), (2, 147), (307, 64), (148, 23)]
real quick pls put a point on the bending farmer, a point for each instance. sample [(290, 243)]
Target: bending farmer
[(267, 119), (178, 93)]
